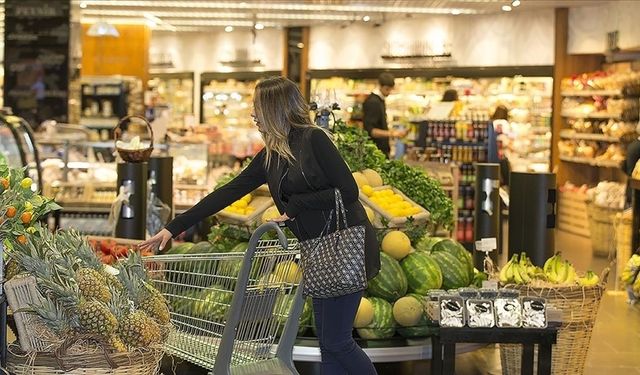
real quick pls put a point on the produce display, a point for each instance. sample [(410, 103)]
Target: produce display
[(242, 206), (630, 277), (608, 194), (556, 271)]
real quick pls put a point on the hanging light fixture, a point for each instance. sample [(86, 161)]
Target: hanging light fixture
[(103, 29)]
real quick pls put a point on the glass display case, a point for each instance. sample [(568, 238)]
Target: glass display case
[(172, 92), (18, 145)]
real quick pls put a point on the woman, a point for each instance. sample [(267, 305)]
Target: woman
[(302, 168)]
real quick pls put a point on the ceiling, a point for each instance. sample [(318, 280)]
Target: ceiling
[(200, 15)]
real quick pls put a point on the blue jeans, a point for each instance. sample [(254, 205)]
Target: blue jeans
[(334, 322)]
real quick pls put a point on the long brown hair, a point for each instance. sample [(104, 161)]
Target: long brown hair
[(279, 107)]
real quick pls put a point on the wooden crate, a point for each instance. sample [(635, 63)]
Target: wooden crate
[(572, 213), (261, 202), (395, 222)]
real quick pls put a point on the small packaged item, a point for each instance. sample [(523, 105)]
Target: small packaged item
[(508, 309), (534, 312), (451, 311), (467, 293), (480, 313), (433, 304), (489, 294)]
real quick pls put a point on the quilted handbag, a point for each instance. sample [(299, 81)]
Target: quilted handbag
[(333, 264)]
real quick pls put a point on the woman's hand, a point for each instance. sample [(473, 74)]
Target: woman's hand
[(281, 219), (159, 241)]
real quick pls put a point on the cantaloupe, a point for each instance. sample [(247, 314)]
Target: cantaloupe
[(407, 311), (361, 180), (288, 272), (370, 214), (396, 244), (373, 177), (270, 214), (364, 316)]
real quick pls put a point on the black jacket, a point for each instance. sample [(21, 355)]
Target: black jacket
[(375, 117), (303, 189)]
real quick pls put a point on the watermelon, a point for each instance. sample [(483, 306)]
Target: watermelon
[(240, 248), (422, 271), (383, 325), (454, 273), (422, 327), (426, 243), (182, 248), (459, 252), (390, 283), (229, 267), (213, 304), (283, 308), (202, 247)]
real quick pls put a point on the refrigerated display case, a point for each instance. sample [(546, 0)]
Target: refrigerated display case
[(18, 145), (172, 92)]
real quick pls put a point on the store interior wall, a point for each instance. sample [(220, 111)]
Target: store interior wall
[(588, 26), (522, 38), (203, 51)]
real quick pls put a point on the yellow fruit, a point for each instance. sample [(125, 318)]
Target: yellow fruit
[(288, 272), (407, 311), (367, 190), (387, 192), (270, 214), (404, 204), (26, 183), (373, 177), (361, 180), (370, 214), (247, 198), (364, 316), (249, 209), (397, 212), (396, 244), (405, 212), (395, 198), (239, 204)]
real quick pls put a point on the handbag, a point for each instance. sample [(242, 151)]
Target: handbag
[(333, 264)]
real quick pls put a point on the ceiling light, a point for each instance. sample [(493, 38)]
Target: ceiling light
[(455, 12), (366, 18), (83, 5), (103, 29), (224, 15), (300, 45), (515, 3), (506, 8), (228, 28), (259, 26)]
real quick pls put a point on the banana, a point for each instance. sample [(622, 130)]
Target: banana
[(548, 265), (516, 273), (503, 273), (510, 270), (571, 274), (590, 279)]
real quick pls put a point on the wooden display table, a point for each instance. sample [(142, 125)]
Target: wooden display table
[(444, 345)]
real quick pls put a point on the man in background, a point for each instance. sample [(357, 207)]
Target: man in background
[(375, 114)]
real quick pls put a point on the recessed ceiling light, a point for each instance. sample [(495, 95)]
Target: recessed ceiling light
[(515, 3), (366, 18), (300, 45), (506, 8), (259, 26), (455, 12), (228, 28), (83, 5)]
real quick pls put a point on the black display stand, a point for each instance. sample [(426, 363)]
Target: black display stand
[(532, 215), (132, 221), (444, 345), (487, 213), (161, 172)]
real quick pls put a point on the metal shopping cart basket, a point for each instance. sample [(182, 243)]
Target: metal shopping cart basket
[(234, 313)]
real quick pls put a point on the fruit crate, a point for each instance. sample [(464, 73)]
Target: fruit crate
[(601, 223), (261, 201), (572, 213), (395, 221)]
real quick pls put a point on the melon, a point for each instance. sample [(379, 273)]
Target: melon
[(396, 244), (457, 250), (421, 328), (364, 316), (390, 283), (454, 273), (373, 177), (240, 248), (213, 304), (282, 311), (382, 326), (181, 248), (202, 247), (288, 272), (370, 214), (426, 243), (422, 271), (361, 180), (407, 311), (270, 214)]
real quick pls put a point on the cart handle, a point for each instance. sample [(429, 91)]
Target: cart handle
[(264, 228)]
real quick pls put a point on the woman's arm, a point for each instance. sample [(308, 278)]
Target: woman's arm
[(336, 170), (246, 182)]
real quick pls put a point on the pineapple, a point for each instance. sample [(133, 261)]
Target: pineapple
[(12, 270), (92, 284), (144, 295), (95, 317), (116, 343), (138, 330)]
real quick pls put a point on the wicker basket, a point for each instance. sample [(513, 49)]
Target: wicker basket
[(98, 361), (622, 224), (579, 307), (601, 221), (133, 156)]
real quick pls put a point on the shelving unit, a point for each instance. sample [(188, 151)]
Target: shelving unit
[(570, 134), (592, 115), (591, 93), (592, 162)]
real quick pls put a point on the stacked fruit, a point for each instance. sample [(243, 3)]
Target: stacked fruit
[(392, 203), (241, 206), (631, 276), (520, 270), (110, 251)]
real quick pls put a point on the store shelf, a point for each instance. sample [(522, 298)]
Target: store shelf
[(99, 123), (591, 93), (449, 142), (592, 115), (568, 134), (592, 162)]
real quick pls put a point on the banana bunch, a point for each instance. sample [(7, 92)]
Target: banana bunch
[(519, 270), (589, 279), (559, 271), (631, 270)]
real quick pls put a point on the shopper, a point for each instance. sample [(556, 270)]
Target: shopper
[(302, 168), (375, 114)]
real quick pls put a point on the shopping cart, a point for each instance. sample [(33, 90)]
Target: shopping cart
[(234, 313)]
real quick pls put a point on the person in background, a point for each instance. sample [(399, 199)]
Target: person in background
[(450, 95), (375, 114), (500, 117), (302, 168)]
